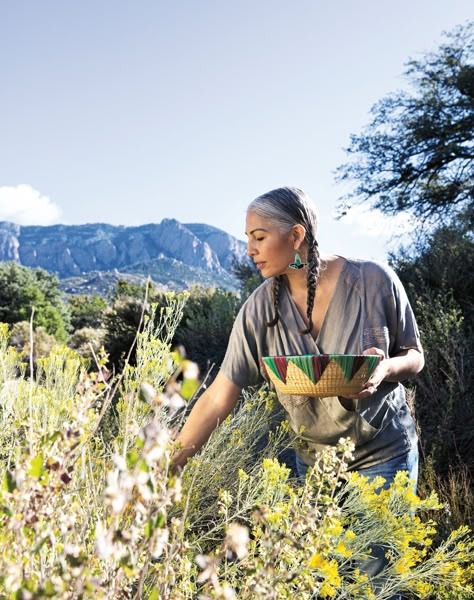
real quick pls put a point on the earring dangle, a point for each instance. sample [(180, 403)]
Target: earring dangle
[(298, 264)]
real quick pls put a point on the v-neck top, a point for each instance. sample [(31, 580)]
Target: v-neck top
[(368, 307)]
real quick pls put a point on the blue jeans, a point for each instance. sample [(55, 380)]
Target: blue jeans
[(387, 470)]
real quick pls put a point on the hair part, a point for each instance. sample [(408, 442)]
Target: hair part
[(286, 207)]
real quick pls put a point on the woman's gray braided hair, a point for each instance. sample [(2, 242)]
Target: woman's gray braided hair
[(285, 207)]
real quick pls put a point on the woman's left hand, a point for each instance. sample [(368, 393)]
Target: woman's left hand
[(379, 374)]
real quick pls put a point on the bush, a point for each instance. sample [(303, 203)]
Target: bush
[(25, 291), (208, 318), (444, 409), (86, 311)]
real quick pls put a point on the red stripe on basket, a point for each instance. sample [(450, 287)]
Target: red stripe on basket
[(357, 364), (320, 363), (277, 364), (281, 364)]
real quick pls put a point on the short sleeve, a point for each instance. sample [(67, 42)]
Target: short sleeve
[(241, 362), (404, 333), (389, 321)]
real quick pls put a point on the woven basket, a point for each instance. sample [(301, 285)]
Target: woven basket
[(320, 375)]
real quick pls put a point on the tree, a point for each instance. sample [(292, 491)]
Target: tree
[(417, 154), (86, 310), (122, 323), (23, 289), (123, 319), (442, 262), (207, 321)]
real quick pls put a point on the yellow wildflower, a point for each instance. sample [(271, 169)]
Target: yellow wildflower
[(243, 476), (316, 561), (423, 589), (275, 472), (342, 549), (335, 529), (327, 590)]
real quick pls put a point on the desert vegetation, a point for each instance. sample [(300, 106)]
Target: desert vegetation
[(89, 506)]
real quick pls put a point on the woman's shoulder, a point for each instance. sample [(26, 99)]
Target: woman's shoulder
[(371, 267), (375, 275)]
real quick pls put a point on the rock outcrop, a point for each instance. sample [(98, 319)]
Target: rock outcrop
[(76, 250)]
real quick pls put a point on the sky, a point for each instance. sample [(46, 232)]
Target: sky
[(127, 113)]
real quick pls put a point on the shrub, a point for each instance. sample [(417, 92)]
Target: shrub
[(207, 322)]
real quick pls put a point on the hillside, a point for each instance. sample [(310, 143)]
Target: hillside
[(92, 257)]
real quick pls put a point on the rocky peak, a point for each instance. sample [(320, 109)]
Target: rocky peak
[(72, 250)]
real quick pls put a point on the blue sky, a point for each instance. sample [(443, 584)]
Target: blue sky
[(131, 112)]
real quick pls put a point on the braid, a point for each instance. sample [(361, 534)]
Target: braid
[(276, 300), (314, 268)]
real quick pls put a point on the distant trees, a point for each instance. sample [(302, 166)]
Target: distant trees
[(206, 325), (86, 310), (417, 153), (88, 322), (23, 289)]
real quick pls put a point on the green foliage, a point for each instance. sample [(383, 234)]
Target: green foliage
[(126, 289), (442, 262), (207, 322), (121, 322), (124, 318), (438, 273), (445, 387), (20, 339), (23, 289), (86, 310), (417, 153), (87, 342)]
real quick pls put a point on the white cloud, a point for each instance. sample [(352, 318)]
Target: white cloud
[(373, 222), (24, 205)]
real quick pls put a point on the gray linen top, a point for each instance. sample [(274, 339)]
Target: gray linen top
[(369, 307)]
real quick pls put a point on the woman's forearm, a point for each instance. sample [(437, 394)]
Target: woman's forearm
[(215, 404), (404, 365)]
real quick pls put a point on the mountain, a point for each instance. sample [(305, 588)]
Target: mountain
[(94, 256)]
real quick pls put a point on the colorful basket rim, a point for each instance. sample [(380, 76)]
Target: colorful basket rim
[(314, 365)]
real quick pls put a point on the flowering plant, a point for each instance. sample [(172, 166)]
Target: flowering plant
[(90, 507)]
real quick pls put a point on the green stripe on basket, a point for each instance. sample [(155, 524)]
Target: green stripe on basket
[(304, 363), (372, 362), (277, 365), (345, 362)]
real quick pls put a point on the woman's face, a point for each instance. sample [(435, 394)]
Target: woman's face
[(271, 249)]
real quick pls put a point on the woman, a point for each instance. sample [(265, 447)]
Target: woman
[(319, 304)]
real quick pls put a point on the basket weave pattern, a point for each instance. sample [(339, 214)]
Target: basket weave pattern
[(320, 375)]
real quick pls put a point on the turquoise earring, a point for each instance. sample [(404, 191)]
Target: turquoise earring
[(298, 264)]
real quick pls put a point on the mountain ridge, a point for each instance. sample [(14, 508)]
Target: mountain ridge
[(174, 254)]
